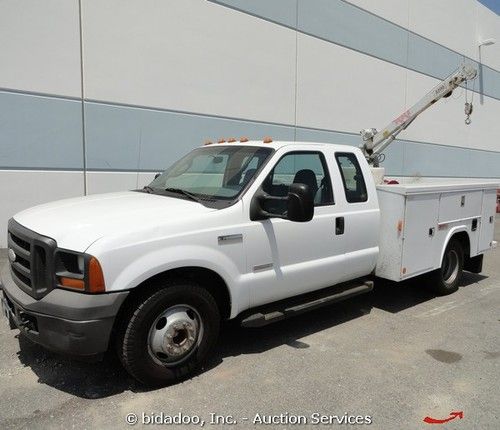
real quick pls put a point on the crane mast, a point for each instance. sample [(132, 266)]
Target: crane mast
[(374, 141)]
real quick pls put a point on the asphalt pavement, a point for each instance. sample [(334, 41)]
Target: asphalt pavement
[(391, 357)]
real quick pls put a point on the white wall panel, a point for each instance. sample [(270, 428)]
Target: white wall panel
[(40, 46), (451, 23), (109, 182), (20, 190), (488, 27), (144, 178), (444, 124), (340, 89), (393, 10), (189, 55)]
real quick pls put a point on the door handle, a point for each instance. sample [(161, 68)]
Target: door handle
[(339, 225)]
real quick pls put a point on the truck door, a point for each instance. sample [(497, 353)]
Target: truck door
[(286, 258), (357, 207)]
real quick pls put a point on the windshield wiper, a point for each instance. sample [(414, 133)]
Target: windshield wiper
[(185, 193), (148, 189)]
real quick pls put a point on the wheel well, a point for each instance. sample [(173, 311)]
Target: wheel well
[(206, 278), (463, 238)]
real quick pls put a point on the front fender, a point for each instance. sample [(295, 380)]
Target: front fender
[(155, 262)]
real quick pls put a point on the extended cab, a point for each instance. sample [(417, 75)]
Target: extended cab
[(253, 230)]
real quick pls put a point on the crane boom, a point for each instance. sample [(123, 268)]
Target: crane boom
[(374, 141)]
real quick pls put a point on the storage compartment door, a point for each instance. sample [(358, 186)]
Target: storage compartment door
[(421, 216), (459, 205), (487, 220)]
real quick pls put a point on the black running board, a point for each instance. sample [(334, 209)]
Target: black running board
[(281, 310)]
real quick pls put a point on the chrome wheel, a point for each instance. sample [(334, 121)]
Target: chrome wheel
[(175, 334), (450, 266)]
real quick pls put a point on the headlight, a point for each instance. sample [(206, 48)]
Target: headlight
[(80, 272)]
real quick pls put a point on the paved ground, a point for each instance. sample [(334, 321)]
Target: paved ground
[(397, 355)]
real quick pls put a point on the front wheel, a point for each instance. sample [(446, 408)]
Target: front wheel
[(169, 333), (446, 279)]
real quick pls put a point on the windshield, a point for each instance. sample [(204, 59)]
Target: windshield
[(215, 173)]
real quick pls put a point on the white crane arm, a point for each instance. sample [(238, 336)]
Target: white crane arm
[(374, 141)]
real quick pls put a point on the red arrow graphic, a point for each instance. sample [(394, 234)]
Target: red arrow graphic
[(453, 415)]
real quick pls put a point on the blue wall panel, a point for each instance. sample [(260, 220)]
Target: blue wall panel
[(341, 23), (281, 11), (40, 132), (344, 24), (46, 133), (131, 138)]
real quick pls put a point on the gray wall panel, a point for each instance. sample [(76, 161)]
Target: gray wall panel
[(439, 160), (489, 82), (45, 133), (341, 23), (347, 25), (130, 138), (435, 160), (430, 58), (484, 164), (40, 132), (280, 11)]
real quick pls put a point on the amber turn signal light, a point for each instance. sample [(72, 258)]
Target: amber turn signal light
[(243, 139), (267, 140), (76, 284), (96, 277)]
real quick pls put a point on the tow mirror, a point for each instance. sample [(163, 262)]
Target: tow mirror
[(300, 205)]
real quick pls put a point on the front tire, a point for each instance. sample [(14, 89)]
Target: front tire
[(446, 279), (169, 333)]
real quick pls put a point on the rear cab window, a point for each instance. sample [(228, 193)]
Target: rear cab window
[(352, 177)]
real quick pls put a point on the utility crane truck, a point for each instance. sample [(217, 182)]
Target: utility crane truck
[(258, 231)]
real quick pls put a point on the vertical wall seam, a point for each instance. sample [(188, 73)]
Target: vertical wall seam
[(82, 91), (403, 149), (296, 67)]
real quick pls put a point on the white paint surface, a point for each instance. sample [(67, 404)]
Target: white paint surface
[(215, 60), (23, 189), (40, 46)]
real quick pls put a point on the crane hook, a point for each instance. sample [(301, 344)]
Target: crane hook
[(468, 112)]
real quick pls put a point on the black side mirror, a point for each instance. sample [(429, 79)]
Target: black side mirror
[(300, 205), (158, 174)]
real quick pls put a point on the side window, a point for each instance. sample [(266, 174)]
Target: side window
[(352, 177), (299, 167)]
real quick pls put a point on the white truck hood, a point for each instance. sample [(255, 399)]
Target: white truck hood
[(78, 222)]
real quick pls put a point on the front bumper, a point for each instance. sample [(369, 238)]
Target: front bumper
[(63, 321)]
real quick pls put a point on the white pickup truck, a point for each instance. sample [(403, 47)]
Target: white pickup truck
[(254, 230)]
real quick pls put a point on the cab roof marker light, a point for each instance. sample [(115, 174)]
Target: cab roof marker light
[(207, 142), (231, 140), (243, 139), (221, 140), (267, 139)]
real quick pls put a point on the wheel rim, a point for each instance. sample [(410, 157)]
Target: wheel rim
[(175, 334), (450, 266)]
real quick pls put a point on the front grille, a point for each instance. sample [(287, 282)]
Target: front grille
[(32, 268)]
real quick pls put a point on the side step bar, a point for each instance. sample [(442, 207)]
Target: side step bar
[(281, 310)]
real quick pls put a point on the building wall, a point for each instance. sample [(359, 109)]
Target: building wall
[(97, 96)]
